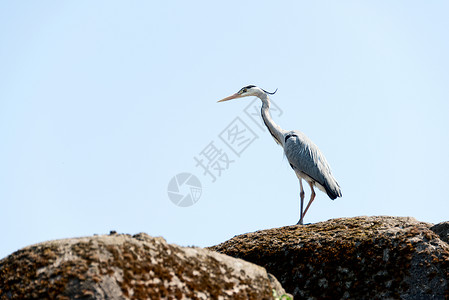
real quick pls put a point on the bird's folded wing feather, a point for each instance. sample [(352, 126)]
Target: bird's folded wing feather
[(305, 156)]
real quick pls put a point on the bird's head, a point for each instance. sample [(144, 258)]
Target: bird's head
[(249, 90)]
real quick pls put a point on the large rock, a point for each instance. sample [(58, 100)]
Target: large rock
[(352, 258), (129, 267)]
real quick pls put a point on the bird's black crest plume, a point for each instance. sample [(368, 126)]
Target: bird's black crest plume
[(251, 86), (269, 92)]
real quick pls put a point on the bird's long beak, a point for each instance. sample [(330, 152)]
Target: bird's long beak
[(230, 97)]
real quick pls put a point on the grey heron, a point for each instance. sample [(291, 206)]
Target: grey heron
[(304, 156)]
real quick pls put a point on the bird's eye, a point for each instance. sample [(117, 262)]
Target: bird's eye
[(243, 91)]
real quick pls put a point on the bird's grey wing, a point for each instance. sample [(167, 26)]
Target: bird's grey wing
[(303, 155)]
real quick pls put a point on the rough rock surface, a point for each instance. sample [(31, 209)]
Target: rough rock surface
[(129, 267), (442, 229), (351, 258)]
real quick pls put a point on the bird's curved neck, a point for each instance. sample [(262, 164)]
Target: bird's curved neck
[(275, 130)]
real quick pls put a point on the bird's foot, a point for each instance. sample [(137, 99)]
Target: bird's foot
[(301, 223)]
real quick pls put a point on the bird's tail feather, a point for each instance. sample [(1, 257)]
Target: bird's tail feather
[(333, 190)]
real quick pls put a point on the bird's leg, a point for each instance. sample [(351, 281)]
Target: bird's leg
[(301, 196), (312, 197)]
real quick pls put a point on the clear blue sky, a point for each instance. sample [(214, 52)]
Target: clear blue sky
[(102, 103)]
